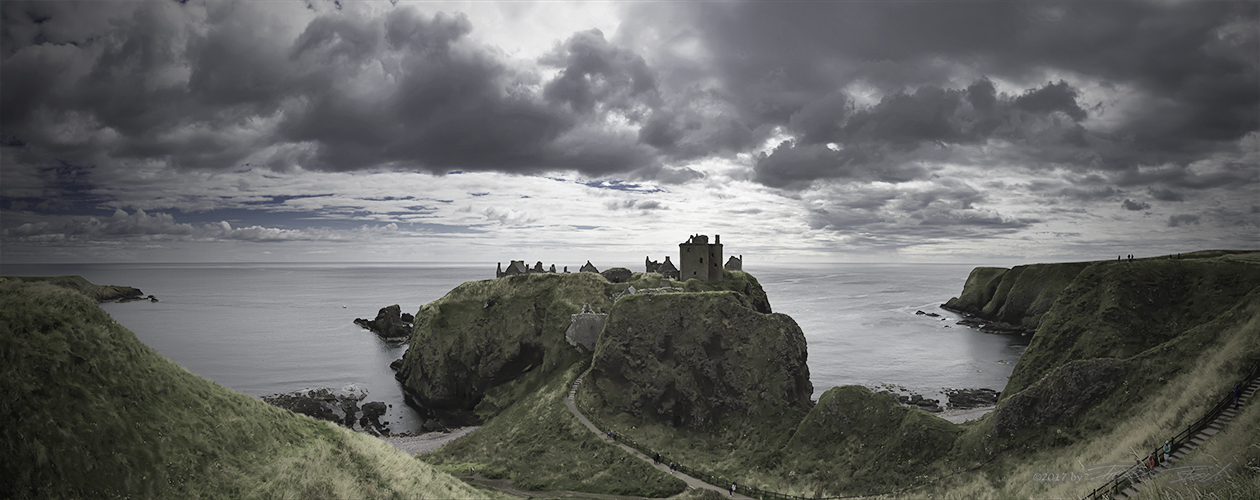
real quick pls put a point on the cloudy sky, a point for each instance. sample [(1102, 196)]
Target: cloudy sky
[(949, 131)]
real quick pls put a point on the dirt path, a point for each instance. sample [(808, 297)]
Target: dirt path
[(691, 481)]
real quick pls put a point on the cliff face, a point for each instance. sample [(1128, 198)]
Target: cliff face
[(687, 359), (1016, 298), (485, 334), (1121, 309)]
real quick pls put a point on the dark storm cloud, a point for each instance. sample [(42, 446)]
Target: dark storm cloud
[(1183, 220), (595, 71), (1135, 206), (1165, 195), (208, 87), (1190, 66)]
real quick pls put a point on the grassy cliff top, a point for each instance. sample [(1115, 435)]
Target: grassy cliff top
[(99, 293), (91, 412)]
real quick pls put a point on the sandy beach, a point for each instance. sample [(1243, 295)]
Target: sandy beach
[(427, 442), (960, 416)]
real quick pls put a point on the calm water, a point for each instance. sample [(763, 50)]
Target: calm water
[(263, 329)]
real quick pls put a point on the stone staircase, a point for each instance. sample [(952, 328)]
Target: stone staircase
[(1221, 421)]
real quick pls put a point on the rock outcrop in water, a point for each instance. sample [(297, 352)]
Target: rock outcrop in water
[(390, 324)]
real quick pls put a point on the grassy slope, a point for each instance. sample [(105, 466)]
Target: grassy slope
[(540, 445), (90, 411), (1166, 389), (99, 293), (1120, 309)]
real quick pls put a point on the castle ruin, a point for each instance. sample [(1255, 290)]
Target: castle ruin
[(697, 258), (666, 269), (700, 259)]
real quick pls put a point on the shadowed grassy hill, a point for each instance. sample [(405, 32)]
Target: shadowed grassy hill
[(91, 412)]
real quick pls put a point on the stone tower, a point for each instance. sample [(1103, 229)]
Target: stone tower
[(699, 259)]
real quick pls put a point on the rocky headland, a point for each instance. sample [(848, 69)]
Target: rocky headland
[(99, 293), (487, 343)]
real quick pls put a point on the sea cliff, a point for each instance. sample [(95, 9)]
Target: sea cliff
[(486, 343)]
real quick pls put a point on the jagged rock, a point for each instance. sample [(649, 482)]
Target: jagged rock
[(388, 324), (930, 315), (396, 364), (964, 399), (688, 359), (617, 275), (920, 402)]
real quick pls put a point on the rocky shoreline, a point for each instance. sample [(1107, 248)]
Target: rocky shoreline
[(955, 399), (342, 408)]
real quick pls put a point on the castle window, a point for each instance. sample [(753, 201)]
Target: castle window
[(702, 260)]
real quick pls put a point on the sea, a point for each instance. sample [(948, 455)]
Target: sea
[(263, 329)]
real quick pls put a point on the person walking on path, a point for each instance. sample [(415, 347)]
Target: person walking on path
[(656, 459), (1167, 451), (1237, 395), (732, 490)]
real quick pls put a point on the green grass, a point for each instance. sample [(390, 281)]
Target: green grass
[(541, 446), (1155, 401), (90, 412), (99, 293)]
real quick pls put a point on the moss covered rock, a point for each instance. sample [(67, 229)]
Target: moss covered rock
[(505, 333), (688, 358)]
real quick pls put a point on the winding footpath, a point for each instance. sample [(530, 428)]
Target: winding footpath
[(1194, 442), (691, 481)]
